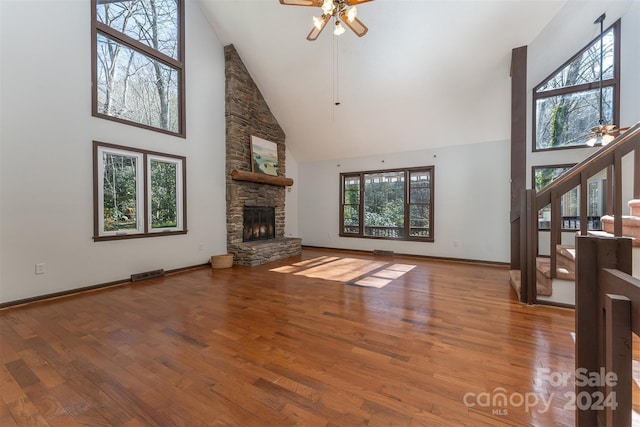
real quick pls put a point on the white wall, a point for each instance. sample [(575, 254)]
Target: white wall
[(291, 198), (565, 35), (46, 211), (471, 201)]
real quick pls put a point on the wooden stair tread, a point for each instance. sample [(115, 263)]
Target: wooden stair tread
[(628, 220), (567, 251), (543, 285), (515, 281), (543, 265), (634, 242)]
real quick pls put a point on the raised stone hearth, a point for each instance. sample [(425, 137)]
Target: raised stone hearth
[(248, 114), (262, 251)]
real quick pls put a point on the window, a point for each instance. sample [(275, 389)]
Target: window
[(567, 104), (138, 193), (570, 201), (389, 204), (138, 63)]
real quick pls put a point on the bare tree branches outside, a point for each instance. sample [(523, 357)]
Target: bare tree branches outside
[(138, 62), (567, 104)]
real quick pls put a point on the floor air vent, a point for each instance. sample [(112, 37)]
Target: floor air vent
[(381, 252), (147, 275)]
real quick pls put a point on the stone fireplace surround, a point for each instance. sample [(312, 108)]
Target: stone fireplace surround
[(248, 114)]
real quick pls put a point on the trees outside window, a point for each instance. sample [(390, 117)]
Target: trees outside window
[(138, 193), (138, 63), (567, 103), (121, 207), (390, 204), (165, 201)]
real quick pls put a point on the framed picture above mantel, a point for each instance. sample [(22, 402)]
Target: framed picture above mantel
[(264, 156)]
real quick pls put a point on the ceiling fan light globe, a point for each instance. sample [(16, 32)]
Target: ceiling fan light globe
[(318, 22), (352, 13), (328, 7), (591, 142), (339, 29), (606, 139)]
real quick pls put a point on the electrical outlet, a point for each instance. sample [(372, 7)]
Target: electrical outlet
[(40, 268)]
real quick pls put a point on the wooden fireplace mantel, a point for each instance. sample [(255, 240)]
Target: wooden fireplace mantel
[(281, 181)]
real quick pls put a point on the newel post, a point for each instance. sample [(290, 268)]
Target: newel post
[(592, 255)]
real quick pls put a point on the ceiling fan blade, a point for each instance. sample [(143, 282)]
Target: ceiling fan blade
[(356, 25), (616, 131), (356, 2), (315, 3), (315, 31)]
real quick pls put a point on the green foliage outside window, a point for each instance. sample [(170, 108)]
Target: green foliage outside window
[(119, 185), (388, 208), (164, 201), (138, 193)]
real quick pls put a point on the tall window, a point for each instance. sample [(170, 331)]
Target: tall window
[(567, 103), (138, 63), (389, 204), (138, 193)]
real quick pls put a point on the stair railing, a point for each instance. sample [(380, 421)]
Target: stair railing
[(607, 313), (532, 202)]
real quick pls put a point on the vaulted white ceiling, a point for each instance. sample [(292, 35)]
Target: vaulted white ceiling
[(427, 74)]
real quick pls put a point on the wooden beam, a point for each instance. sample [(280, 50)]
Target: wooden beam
[(261, 178), (636, 174), (518, 145)]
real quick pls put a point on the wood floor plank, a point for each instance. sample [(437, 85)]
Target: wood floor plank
[(289, 343)]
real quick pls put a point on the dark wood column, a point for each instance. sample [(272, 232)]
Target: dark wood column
[(518, 145), (636, 174)]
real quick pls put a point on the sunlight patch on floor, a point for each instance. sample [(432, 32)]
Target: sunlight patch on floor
[(360, 272)]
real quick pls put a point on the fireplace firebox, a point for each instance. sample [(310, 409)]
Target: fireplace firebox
[(259, 223)]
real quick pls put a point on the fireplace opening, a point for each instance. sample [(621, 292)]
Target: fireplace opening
[(259, 223)]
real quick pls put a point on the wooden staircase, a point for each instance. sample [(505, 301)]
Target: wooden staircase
[(630, 223), (566, 270), (566, 254), (532, 274)]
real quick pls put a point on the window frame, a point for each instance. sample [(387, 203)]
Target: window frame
[(177, 64), (613, 82), (574, 192), (407, 204), (179, 192), (143, 188)]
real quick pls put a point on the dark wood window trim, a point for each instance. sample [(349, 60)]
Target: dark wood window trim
[(613, 82), (177, 64), (145, 215), (407, 202)]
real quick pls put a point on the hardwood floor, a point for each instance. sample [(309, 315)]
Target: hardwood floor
[(290, 343)]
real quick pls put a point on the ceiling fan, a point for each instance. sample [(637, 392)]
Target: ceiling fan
[(341, 10)]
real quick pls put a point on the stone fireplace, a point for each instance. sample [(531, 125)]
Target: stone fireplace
[(248, 114)]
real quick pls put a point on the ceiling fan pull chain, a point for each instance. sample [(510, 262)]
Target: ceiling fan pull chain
[(337, 45)]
